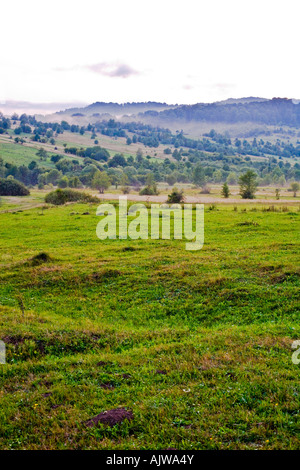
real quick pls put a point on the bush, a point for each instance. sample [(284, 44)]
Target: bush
[(205, 190), (11, 187), (175, 197), (150, 190), (61, 196), (225, 190)]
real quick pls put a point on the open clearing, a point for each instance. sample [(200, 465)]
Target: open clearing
[(189, 350)]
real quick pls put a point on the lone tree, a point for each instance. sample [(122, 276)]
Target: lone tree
[(42, 154), (225, 190), (198, 176), (101, 181), (295, 187), (248, 184)]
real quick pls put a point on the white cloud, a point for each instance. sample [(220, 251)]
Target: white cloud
[(107, 69)]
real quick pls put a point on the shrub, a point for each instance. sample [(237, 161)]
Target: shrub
[(225, 190), (61, 196), (205, 190), (125, 189), (175, 197), (150, 190), (11, 187)]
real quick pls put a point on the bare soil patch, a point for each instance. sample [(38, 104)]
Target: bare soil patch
[(110, 417)]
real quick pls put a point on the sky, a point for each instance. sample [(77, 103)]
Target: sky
[(172, 51)]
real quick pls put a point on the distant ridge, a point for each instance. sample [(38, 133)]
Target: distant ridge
[(249, 99), (247, 113), (276, 112), (102, 107)]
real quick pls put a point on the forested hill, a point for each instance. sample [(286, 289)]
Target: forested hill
[(114, 109), (278, 112)]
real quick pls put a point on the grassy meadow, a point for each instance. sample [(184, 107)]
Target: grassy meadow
[(197, 345)]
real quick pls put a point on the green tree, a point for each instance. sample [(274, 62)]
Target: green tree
[(171, 179), (295, 187), (248, 184), (63, 182), (225, 190), (117, 160), (218, 176), (198, 176), (281, 180), (124, 180), (177, 155), (150, 179), (42, 153), (231, 178), (32, 165), (74, 182), (53, 176), (101, 181), (42, 180)]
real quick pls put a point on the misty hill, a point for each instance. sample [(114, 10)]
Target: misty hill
[(242, 117), (10, 107), (275, 112), (250, 99), (252, 111), (100, 109)]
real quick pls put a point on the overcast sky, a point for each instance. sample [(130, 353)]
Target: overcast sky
[(185, 51)]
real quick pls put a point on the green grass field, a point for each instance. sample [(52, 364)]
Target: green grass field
[(196, 344), (22, 155)]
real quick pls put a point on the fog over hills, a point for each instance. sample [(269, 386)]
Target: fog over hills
[(237, 116), (10, 107), (100, 107)]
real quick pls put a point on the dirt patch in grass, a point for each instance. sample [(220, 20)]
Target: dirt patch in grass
[(13, 339), (47, 383), (110, 417), (37, 260), (107, 386), (129, 248), (248, 223), (53, 407), (270, 268), (288, 276), (104, 275)]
